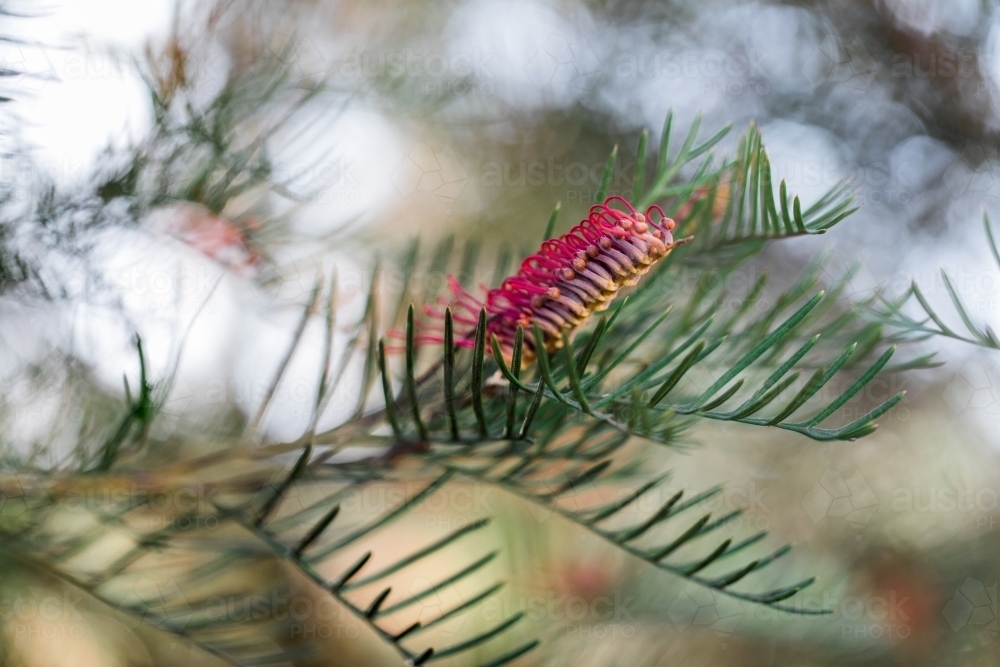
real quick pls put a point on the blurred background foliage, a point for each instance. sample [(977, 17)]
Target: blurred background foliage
[(185, 173)]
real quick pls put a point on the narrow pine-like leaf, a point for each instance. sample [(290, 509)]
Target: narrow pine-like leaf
[(253, 426), (722, 398), (386, 518), (455, 611), (433, 589), (853, 389), (279, 493), (569, 363), (515, 371), (609, 169), (683, 367), (317, 530), (480, 639), (550, 226), (411, 379), (658, 516), (614, 507), (351, 571), (390, 399), (753, 404), (376, 604), (759, 349), (512, 655), (532, 409), (684, 538), (661, 158), (592, 382), (421, 554), (478, 353), (544, 365), (709, 559), (449, 373), (640, 166)]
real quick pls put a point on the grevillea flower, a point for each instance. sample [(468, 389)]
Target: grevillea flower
[(216, 237), (561, 285)]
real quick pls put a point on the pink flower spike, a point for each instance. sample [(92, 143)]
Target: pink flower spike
[(562, 284)]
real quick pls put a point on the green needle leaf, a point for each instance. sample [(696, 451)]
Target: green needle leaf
[(640, 166), (609, 168), (515, 371), (478, 353), (449, 372), (411, 380), (550, 226), (390, 401)]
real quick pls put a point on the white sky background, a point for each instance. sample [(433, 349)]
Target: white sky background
[(556, 61), (86, 98), (96, 101)]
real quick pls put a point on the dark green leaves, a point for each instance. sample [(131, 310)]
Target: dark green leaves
[(609, 168), (742, 188), (139, 414), (753, 212), (644, 374), (666, 538), (301, 539), (582, 392)]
